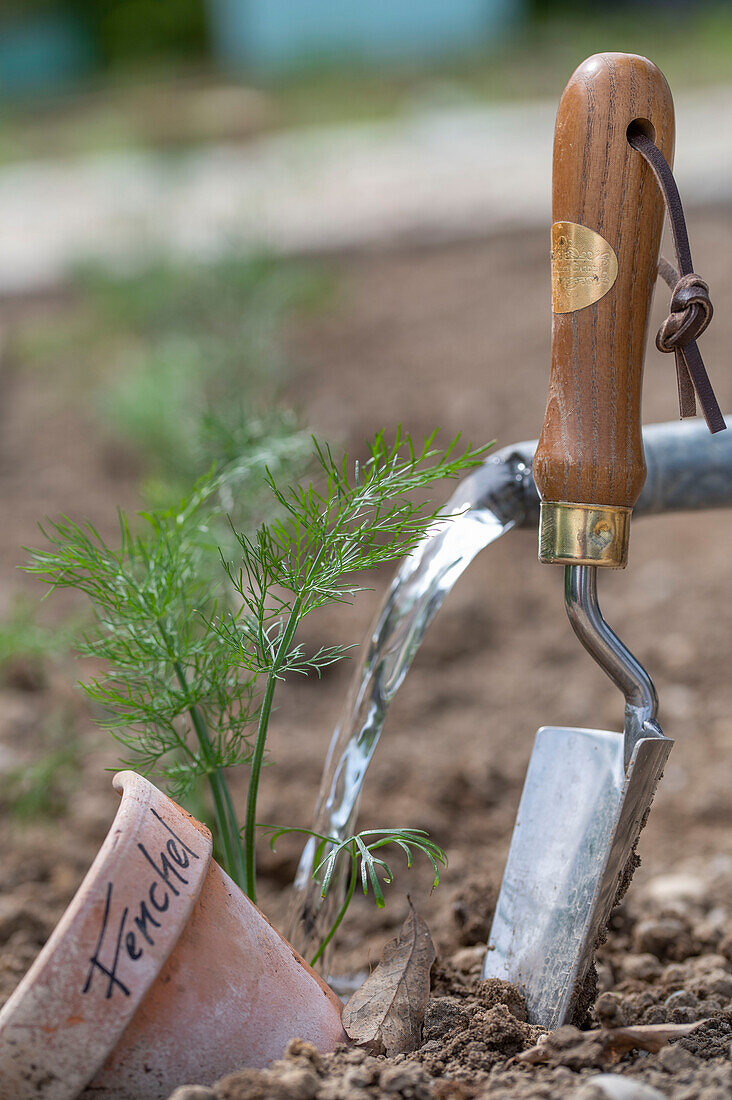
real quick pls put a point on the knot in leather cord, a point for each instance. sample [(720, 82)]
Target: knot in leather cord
[(691, 308), (690, 312)]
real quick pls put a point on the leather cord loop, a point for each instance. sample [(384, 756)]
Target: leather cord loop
[(690, 312), (691, 307)]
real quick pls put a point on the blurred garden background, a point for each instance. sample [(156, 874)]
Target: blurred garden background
[(89, 75), (189, 127), (225, 224)]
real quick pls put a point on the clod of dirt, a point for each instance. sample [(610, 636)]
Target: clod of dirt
[(610, 1010), (472, 912), (466, 1035), (666, 938), (387, 1012), (642, 968), (297, 1076), (712, 1039), (445, 1015)]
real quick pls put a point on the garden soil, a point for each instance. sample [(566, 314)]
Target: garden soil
[(456, 336)]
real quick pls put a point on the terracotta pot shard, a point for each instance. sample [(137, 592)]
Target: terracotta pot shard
[(160, 971)]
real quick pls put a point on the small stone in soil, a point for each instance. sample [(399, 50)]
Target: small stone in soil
[(611, 1086), (192, 1092)]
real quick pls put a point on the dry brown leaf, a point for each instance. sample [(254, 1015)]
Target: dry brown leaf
[(386, 1014), (613, 1042)]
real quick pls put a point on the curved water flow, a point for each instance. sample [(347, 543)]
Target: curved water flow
[(485, 505)]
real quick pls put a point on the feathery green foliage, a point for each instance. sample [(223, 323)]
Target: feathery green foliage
[(360, 849), (192, 659), (358, 520)]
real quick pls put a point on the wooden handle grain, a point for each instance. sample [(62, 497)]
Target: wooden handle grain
[(591, 450)]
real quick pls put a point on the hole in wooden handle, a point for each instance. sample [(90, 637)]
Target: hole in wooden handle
[(641, 126)]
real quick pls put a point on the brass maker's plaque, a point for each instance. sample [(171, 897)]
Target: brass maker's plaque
[(584, 267)]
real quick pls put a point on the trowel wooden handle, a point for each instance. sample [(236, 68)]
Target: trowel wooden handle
[(607, 214)]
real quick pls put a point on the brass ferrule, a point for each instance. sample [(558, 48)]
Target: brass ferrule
[(584, 534)]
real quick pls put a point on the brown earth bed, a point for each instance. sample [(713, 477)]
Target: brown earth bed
[(457, 336)]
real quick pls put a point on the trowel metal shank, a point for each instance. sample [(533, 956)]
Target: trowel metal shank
[(687, 470), (569, 850)]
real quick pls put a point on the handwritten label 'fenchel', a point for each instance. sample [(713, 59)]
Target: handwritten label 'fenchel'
[(129, 927)]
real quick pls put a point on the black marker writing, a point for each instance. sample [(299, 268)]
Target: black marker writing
[(95, 964), (167, 865)]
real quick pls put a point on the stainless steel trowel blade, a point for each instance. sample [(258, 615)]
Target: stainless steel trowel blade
[(579, 817)]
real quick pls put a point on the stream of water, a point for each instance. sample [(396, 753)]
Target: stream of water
[(485, 505)]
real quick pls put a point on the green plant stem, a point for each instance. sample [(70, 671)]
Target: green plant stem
[(223, 808), (225, 820), (234, 832), (250, 822), (341, 912)]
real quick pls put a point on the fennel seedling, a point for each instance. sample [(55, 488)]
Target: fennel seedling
[(360, 849), (192, 661)]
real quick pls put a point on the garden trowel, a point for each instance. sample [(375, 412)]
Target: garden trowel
[(587, 791)]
